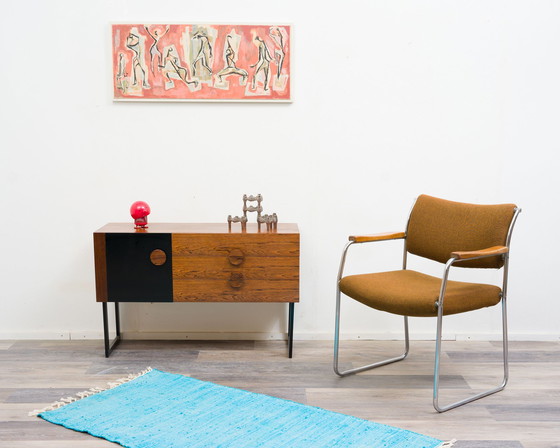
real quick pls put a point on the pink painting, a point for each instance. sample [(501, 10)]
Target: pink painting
[(201, 62)]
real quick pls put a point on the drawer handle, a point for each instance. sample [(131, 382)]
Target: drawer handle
[(236, 257), (236, 280)]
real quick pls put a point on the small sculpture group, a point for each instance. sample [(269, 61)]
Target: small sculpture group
[(271, 221)]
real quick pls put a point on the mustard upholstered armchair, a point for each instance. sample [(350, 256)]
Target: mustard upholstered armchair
[(454, 234)]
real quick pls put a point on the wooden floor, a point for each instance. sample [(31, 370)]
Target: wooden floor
[(526, 414)]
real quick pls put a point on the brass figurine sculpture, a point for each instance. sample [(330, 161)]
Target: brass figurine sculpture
[(271, 221)]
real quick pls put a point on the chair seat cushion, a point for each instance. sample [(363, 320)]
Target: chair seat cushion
[(411, 293)]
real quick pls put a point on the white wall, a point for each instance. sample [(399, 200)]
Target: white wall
[(391, 99)]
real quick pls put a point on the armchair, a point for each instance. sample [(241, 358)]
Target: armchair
[(456, 235)]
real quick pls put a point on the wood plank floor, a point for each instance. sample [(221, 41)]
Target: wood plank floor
[(525, 415)]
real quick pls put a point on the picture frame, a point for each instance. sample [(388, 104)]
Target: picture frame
[(201, 62)]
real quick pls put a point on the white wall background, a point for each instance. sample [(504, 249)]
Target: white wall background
[(391, 99)]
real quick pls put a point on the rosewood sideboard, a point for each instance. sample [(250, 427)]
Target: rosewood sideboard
[(195, 263)]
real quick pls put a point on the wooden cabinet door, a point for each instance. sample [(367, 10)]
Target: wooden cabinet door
[(139, 267)]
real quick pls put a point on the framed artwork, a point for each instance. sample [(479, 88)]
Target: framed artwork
[(201, 62)]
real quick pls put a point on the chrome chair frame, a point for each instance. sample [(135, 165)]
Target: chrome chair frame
[(337, 326), (440, 305)]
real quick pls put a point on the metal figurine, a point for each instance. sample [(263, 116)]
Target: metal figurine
[(258, 198), (241, 219), (271, 221)]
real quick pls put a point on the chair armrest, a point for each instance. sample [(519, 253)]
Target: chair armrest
[(482, 253), (377, 237)]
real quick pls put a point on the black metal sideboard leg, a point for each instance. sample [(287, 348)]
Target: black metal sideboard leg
[(105, 329), (110, 346), (290, 329), (118, 320)]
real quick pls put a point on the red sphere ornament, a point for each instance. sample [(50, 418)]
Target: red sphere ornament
[(140, 211)]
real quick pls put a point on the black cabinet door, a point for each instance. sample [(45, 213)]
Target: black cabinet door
[(132, 273)]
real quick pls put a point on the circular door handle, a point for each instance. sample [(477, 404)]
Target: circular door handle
[(158, 257), (236, 257), (236, 280)]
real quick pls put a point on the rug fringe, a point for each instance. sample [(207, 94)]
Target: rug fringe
[(88, 393), (447, 444)]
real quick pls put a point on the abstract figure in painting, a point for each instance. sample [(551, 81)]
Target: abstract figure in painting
[(122, 82), (263, 64), (133, 44), (154, 50), (279, 53), (172, 65), (231, 68), (204, 52)]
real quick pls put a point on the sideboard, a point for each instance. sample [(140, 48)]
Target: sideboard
[(195, 263)]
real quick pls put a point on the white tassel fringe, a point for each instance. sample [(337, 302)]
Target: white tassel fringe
[(88, 393)]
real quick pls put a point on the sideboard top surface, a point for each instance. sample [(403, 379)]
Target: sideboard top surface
[(197, 228)]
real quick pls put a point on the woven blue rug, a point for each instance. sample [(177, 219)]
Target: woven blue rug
[(164, 410)]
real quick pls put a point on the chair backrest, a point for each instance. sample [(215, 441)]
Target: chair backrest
[(437, 227)]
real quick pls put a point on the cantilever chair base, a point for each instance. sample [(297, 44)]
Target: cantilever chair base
[(368, 366), (501, 387)]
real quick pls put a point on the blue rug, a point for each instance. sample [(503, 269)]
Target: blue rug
[(164, 410)]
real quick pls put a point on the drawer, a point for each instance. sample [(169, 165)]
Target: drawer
[(220, 268), (252, 244), (235, 290)]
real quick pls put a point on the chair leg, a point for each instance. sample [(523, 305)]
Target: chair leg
[(369, 366), (482, 394)]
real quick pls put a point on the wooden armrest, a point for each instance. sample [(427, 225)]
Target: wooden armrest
[(488, 252), (376, 237)]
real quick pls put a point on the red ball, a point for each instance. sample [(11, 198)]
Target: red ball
[(139, 210)]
